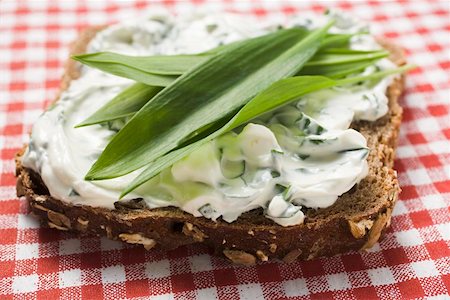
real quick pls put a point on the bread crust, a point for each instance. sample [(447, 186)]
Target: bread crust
[(355, 222)]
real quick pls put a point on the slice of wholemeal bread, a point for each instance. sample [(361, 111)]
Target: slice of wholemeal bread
[(356, 221)]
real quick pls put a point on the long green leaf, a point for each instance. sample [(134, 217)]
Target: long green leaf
[(336, 40), (135, 98), (322, 59), (157, 64), (338, 70), (204, 95), (162, 70), (125, 104), (279, 93)]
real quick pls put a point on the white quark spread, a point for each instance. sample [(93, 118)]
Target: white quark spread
[(301, 155)]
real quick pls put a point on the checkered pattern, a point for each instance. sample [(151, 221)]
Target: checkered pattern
[(413, 261)]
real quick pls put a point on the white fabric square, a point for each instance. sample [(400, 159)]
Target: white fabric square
[(70, 278), (338, 281), (409, 237), (404, 151), (207, 294), (296, 287), (250, 291), (70, 246), (158, 269), (425, 268), (25, 284), (433, 202), (419, 177), (381, 276), (399, 209), (439, 147), (27, 251), (113, 274), (163, 297), (444, 230), (200, 263)]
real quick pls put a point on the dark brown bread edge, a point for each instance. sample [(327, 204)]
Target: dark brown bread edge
[(356, 221)]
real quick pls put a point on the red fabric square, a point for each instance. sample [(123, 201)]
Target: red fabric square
[(323, 295), (447, 133), (438, 110), (426, 87), (92, 291), (353, 262), (421, 219), (48, 235), (312, 268), (446, 280), (15, 129), (395, 256), (133, 255), (391, 34), (443, 186), (430, 161), (225, 277), (411, 289), (9, 207), (416, 138), (182, 282), (91, 260), (7, 268), (8, 236), (438, 249), (399, 166), (48, 264), (137, 288), (268, 272), (7, 179), (16, 106), (368, 292), (9, 154), (49, 294), (409, 192), (445, 64)]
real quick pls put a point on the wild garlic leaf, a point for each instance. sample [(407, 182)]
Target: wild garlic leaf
[(125, 104), (162, 70), (203, 95), (135, 98), (345, 56), (113, 110), (279, 93), (336, 40), (156, 64), (337, 70)]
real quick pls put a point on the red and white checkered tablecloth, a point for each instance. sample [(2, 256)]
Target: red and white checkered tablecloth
[(413, 261)]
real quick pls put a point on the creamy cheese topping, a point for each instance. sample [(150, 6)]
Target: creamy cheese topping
[(301, 155)]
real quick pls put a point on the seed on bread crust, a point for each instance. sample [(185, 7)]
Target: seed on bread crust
[(358, 229), (240, 257), (53, 225), (375, 233), (292, 256), (262, 256), (191, 230), (137, 238), (58, 219), (82, 224), (273, 247)]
